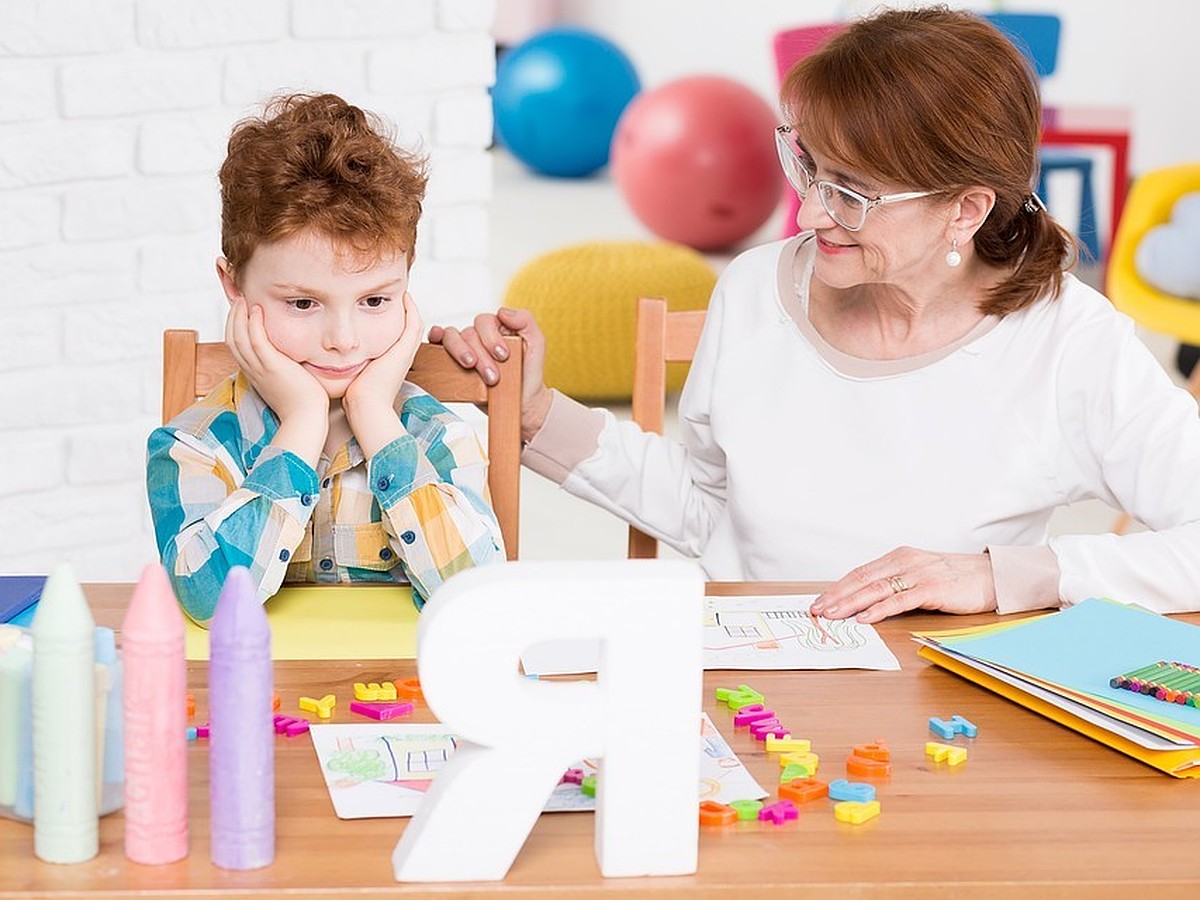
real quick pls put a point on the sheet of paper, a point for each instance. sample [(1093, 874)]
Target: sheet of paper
[(768, 632), (778, 633), (384, 770), (334, 621)]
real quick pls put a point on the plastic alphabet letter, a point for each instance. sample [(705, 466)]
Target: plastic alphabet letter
[(841, 789), (519, 735)]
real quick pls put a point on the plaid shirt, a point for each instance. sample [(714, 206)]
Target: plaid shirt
[(221, 496)]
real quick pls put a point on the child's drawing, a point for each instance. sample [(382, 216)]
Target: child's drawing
[(779, 633), (375, 771)]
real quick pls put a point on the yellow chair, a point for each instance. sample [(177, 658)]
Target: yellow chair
[(585, 297), (1149, 204), (192, 369)]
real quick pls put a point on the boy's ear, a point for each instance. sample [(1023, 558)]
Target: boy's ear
[(225, 273)]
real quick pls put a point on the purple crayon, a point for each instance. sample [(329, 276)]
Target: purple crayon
[(242, 742)]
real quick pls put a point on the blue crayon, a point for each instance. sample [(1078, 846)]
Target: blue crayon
[(112, 768)]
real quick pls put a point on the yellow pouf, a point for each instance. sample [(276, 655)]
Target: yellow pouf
[(585, 299)]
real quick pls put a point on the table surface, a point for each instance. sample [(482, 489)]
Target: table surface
[(1036, 810)]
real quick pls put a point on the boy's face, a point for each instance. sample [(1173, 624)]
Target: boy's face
[(321, 307)]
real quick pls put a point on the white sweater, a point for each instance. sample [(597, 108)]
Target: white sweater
[(799, 462)]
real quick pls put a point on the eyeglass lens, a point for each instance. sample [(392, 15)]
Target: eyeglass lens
[(847, 209)]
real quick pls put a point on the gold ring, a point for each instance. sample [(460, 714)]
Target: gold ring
[(898, 584)]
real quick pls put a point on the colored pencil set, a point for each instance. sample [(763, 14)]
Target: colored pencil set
[(1171, 682)]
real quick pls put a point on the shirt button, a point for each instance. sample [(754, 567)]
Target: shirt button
[(326, 482), (385, 553), (384, 483), (284, 555), (306, 499), (326, 564), (408, 537)]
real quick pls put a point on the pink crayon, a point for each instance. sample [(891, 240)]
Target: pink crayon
[(156, 790), (242, 742)]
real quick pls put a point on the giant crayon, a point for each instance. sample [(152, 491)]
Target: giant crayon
[(65, 812), (242, 741), (155, 674)]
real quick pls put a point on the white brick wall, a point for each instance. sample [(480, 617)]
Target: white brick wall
[(113, 121)]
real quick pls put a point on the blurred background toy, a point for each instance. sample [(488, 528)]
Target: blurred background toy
[(557, 98), (585, 298), (695, 160)]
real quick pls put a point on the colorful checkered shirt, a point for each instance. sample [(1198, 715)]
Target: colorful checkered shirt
[(221, 496)]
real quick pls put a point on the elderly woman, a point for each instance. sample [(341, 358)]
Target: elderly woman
[(908, 389)]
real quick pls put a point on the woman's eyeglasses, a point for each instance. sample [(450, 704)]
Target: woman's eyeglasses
[(845, 206)]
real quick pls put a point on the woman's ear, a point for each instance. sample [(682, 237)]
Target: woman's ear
[(225, 273), (971, 210)]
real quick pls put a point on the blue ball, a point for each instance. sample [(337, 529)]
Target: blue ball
[(557, 99)]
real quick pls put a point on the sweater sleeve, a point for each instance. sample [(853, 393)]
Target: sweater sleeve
[(1135, 440), (210, 515), (671, 489)]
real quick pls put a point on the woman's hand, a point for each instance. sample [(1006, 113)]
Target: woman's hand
[(295, 396), (908, 578), (479, 346), (370, 399)]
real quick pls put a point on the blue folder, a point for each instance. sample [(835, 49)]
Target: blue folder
[(19, 596)]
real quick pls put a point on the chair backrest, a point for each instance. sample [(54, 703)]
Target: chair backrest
[(660, 337), (1151, 201), (1035, 34), (192, 369)]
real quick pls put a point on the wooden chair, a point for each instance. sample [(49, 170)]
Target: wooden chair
[(192, 369), (660, 337)]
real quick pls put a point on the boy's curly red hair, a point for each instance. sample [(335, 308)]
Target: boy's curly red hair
[(315, 162)]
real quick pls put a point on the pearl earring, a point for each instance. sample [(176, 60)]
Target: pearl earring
[(953, 258)]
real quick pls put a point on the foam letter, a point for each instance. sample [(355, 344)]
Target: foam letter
[(520, 735)]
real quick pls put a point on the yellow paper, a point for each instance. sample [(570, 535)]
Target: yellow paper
[(334, 621)]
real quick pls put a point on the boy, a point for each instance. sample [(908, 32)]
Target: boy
[(318, 461)]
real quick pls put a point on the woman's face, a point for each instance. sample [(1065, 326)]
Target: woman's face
[(903, 242)]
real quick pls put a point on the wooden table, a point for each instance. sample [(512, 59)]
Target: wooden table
[(1036, 811)]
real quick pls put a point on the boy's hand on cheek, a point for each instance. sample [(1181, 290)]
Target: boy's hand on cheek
[(297, 398), (369, 399)]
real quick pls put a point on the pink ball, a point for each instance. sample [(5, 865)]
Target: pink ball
[(696, 161)]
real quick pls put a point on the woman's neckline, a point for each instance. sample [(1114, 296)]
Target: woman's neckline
[(794, 276)]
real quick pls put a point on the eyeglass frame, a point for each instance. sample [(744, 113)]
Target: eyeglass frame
[(784, 146)]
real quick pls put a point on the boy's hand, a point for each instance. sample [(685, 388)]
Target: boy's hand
[(371, 396), (295, 396), (476, 348)]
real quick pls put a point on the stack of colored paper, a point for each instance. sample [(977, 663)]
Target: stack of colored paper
[(1061, 665)]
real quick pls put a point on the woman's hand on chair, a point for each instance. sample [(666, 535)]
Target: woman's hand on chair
[(908, 578), (479, 347)]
